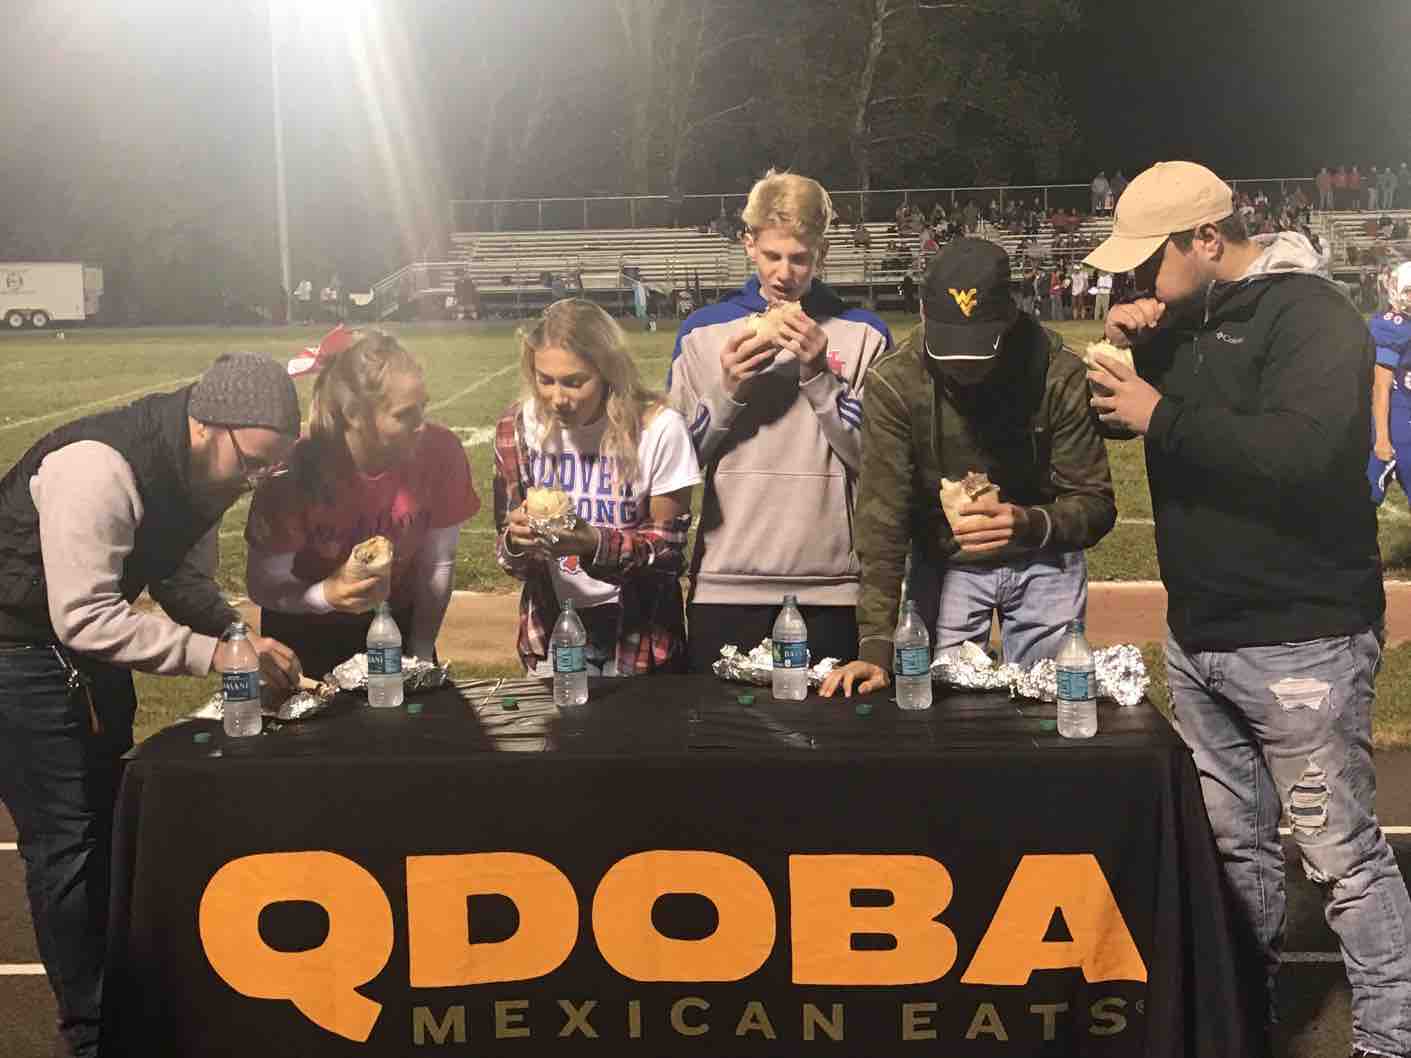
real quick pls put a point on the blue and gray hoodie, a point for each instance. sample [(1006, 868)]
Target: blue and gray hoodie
[(776, 517)]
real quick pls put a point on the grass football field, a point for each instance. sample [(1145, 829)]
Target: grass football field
[(472, 375)]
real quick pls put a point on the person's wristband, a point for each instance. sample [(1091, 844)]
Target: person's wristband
[(316, 598), (1048, 527), (509, 550)]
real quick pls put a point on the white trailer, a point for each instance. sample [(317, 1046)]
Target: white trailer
[(35, 293)]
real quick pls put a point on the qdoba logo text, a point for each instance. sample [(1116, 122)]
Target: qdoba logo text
[(322, 982)]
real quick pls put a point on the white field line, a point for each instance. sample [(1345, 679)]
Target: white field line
[(474, 435), (96, 403), (473, 387), (1385, 512)]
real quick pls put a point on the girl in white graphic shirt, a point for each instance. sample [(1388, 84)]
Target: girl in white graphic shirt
[(589, 427)]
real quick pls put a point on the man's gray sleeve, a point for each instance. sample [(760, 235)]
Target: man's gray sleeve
[(89, 511)]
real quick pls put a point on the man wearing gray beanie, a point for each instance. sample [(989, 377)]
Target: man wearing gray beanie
[(93, 515)]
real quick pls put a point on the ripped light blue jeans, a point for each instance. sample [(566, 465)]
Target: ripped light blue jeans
[(1288, 727)]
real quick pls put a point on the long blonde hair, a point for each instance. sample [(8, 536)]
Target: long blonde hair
[(587, 331), (349, 385)]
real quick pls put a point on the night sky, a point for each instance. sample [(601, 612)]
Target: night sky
[(167, 101), (1253, 88)]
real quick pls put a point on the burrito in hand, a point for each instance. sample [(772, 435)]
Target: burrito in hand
[(971, 487), (371, 558), (767, 324), (1107, 349), (550, 512)]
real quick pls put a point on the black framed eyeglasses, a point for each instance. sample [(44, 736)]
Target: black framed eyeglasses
[(253, 470)]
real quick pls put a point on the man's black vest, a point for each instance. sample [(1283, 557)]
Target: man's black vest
[(153, 436)]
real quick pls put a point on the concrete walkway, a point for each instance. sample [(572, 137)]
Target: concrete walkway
[(480, 627)]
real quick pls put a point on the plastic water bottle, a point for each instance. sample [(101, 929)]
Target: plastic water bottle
[(911, 660), (566, 652), (790, 676), (384, 660), (239, 668), (1077, 685)]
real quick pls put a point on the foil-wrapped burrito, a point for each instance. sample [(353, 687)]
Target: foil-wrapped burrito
[(968, 666), (1121, 674), (550, 512), (757, 666), (311, 698), (417, 675)]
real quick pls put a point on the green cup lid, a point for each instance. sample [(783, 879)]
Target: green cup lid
[(201, 737), (863, 709), (1048, 725), (510, 705), (413, 707), (746, 699)]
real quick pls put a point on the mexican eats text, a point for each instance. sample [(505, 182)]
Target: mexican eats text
[(321, 982)]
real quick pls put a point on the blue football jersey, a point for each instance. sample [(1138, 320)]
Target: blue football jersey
[(1391, 332)]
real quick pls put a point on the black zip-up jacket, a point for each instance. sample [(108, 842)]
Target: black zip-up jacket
[(1257, 459)]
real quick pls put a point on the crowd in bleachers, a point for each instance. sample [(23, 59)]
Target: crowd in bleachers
[(666, 270)]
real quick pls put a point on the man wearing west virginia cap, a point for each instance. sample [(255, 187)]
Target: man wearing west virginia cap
[(1251, 388), (93, 515), (979, 386)]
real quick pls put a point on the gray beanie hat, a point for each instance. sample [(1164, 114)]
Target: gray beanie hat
[(246, 389)]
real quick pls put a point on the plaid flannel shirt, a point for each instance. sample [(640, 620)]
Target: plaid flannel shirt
[(645, 562)]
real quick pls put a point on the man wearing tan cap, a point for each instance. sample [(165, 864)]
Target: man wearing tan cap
[(1252, 388)]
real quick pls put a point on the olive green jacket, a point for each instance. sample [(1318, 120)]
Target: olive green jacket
[(1034, 435)]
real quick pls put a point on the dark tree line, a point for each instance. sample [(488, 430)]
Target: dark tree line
[(141, 139)]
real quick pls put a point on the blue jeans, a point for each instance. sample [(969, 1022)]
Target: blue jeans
[(1035, 598), (1288, 727), (58, 778)]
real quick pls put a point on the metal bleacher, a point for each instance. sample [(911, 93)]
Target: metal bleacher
[(517, 273), (1351, 238)]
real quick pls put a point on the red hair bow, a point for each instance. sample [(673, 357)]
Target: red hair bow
[(313, 358)]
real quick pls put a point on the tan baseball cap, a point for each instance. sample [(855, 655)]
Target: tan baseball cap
[(1168, 197)]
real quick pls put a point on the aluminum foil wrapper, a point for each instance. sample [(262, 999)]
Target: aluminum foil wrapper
[(551, 529), (417, 675), (968, 667), (1121, 677), (299, 706), (1121, 674), (757, 667)]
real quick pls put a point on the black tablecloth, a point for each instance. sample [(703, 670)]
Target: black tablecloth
[(367, 833)]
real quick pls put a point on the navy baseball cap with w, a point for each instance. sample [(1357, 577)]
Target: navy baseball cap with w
[(966, 301)]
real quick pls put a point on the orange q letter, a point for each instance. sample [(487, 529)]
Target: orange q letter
[(319, 982)]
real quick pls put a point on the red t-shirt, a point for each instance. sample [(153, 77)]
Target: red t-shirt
[(430, 489)]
